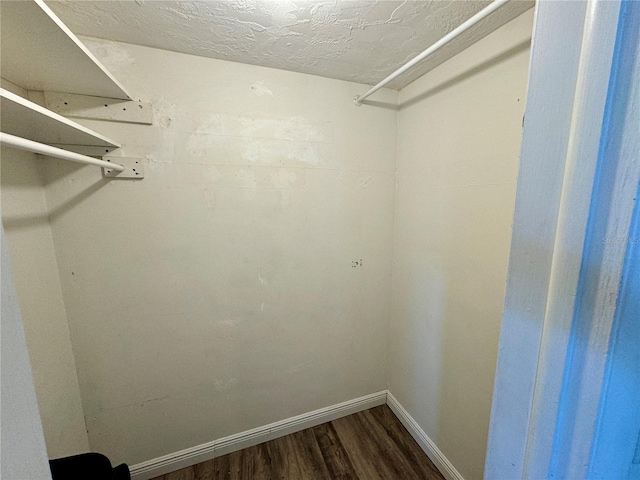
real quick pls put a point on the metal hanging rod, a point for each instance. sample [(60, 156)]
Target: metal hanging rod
[(36, 147), (440, 43)]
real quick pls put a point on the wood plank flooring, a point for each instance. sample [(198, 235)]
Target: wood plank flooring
[(369, 445)]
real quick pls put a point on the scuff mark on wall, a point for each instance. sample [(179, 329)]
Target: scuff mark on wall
[(229, 322), (189, 175), (163, 111), (285, 198), (115, 55), (279, 152), (260, 140), (165, 122), (294, 128), (163, 114), (297, 368), (365, 182), (246, 179), (134, 404), (209, 198), (224, 385), (283, 180), (260, 89)]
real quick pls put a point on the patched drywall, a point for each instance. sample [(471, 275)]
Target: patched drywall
[(361, 41), (459, 134), (218, 294), (28, 234)]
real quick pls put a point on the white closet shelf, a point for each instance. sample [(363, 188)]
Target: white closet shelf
[(26, 119), (39, 52)]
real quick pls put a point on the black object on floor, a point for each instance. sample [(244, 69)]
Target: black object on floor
[(87, 466)]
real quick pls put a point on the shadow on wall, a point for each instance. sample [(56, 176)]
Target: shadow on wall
[(457, 170), (493, 61), (62, 170), (521, 47), (373, 103)]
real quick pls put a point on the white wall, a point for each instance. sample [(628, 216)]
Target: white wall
[(23, 454), (219, 293), (459, 132), (24, 216)]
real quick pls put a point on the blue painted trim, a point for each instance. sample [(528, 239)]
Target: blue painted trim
[(615, 452), (592, 257)]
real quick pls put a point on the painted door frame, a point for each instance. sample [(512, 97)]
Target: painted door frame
[(554, 239)]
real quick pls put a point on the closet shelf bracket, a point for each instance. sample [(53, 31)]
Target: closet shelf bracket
[(99, 108), (133, 167)]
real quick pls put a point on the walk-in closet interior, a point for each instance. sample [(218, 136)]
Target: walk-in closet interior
[(253, 253)]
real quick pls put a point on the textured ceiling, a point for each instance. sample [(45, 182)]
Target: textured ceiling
[(355, 40)]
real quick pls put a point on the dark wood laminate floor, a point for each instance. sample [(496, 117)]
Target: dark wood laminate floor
[(369, 445)]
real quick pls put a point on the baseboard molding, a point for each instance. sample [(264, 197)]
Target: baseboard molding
[(433, 452), (216, 448)]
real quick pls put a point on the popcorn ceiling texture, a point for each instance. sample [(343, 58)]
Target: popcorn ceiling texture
[(354, 40)]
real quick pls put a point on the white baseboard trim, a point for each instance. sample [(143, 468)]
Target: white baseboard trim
[(433, 452), (216, 448), (232, 443)]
